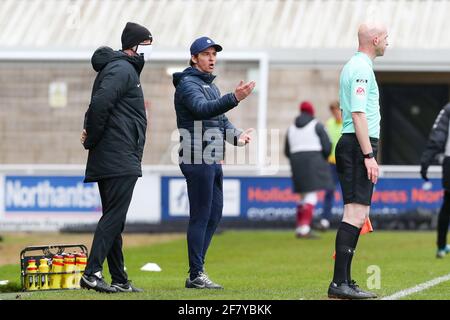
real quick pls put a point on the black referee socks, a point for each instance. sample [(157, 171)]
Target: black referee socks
[(346, 240)]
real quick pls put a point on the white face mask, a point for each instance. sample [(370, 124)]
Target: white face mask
[(145, 50)]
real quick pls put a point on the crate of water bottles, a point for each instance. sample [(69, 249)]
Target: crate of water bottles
[(52, 267)]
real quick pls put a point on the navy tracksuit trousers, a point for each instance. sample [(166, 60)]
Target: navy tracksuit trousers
[(205, 192)]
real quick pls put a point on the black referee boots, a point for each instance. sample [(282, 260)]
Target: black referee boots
[(355, 287), (349, 291)]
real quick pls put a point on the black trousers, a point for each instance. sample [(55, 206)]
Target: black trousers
[(443, 221), (116, 196)]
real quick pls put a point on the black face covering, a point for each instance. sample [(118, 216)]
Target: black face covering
[(138, 62)]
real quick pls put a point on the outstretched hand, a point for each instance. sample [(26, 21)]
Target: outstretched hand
[(242, 91), (245, 137)]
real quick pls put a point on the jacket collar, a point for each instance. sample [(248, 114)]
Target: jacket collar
[(365, 57), (207, 77)]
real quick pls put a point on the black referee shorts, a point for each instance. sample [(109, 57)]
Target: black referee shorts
[(355, 184)]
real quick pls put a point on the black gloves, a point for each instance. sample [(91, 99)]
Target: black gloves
[(423, 171)]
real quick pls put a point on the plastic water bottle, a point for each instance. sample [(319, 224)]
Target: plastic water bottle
[(43, 274), (57, 267), (80, 265), (31, 275), (68, 275)]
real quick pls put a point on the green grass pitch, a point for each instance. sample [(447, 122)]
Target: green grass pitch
[(270, 265)]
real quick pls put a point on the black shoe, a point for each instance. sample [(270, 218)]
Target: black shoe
[(355, 287), (126, 287), (202, 282), (96, 283), (344, 291)]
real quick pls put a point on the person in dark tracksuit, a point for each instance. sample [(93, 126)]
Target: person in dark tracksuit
[(203, 128), (308, 146), (114, 133), (438, 143)]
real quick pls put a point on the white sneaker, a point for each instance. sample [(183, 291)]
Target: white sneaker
[(324, 223), (202, 282), (302, 230)]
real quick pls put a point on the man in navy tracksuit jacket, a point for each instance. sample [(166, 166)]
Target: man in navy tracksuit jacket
[(204, 128)]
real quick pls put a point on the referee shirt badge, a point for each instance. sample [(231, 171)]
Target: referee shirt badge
[(360, 91)]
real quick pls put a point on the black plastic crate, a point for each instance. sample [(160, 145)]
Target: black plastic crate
[(48, 252)]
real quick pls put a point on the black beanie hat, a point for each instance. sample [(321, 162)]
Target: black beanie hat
[(133, 34)]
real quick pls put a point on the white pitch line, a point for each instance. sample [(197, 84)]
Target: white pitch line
[(418, 288)]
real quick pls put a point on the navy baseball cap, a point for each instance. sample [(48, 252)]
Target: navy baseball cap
[(203, 43)]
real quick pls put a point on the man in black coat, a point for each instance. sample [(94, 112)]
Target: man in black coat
[(438, 143), (114, 133)]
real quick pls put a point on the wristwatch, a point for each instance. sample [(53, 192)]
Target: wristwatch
[(369, 155)]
